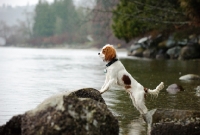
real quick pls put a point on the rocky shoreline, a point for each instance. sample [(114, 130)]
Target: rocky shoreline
[(84, 112), (161, 47)]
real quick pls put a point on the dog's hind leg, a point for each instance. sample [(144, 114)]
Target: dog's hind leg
[(138, 105), (141, 107), (140, 102)]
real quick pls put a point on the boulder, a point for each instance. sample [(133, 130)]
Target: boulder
[(189, 52), (174, 88), (13, 127), (173, 122), (149, 53), (174, 52), (134, 47), (163, 44), (137, 52), (81, 112), (190, 77)]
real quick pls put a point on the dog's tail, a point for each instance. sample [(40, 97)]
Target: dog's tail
[(156, 91)]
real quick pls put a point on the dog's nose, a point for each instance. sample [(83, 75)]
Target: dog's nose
[(98, 53)]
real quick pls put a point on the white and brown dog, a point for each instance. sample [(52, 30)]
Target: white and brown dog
[(117, 74)]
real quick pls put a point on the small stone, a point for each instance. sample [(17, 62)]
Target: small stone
[(174, 88), (190, 77)]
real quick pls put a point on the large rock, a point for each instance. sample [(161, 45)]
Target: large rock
[(189, 52), (13, 127), (174, 52), (82, 112), (137, 52), (173, 122), (149, 53)]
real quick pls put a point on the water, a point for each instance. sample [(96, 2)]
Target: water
[(28, 76)]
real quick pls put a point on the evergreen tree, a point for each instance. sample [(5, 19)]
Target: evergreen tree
[(66, 16), (58, 21), (192, 10), (44, 20), (135, 17)]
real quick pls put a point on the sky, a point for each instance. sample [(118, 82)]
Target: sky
[(15, 3)]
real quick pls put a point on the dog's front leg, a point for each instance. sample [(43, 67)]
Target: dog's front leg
[(106, 85), (106, 81)]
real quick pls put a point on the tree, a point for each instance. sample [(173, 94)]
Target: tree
[(125, 24), (5, 30), (66, 16), (44, 20), (192, 10), (135, 17), (101, 19), (55, 22)]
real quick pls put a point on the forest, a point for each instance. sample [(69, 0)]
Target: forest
[(120, 22)]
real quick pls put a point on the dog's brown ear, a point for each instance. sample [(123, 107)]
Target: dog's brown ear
[(109, 53)]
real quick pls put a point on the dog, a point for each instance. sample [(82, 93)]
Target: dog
[(117, 74)]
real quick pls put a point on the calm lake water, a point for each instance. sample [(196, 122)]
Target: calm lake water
[(28, 76)]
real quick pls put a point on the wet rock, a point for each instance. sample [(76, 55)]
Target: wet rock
[(161, 56), (137, 52), (198, 88), (174, 52), (88, 93), (81, 112), (174, 88), (190, 77), (170, 42), (197, 91), (189, 52), (173, 122), (134, 47), (13, 127), (162, 44), (149, 53)]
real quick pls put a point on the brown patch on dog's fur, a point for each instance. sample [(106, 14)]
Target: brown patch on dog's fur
[(128, 87), (146, 91), (109, 53), (126, 79)]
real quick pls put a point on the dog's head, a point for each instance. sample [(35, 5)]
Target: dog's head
[(108, 53)]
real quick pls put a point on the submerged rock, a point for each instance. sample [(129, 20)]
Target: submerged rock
[(190, 77), (197, 91), (174, 88), (173, 122), (81, 112)]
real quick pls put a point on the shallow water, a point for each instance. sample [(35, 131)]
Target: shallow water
[(28, 76)]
